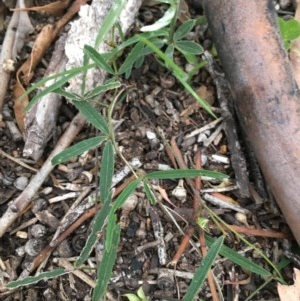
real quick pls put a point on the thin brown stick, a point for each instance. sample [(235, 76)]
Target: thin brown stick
[(183, 246), (179, 159), (198, 184), (259, 232), (171, 155)]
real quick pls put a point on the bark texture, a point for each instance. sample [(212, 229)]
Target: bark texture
[(266, 95)]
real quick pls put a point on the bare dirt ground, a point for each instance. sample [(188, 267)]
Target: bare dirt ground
[(156, 110)]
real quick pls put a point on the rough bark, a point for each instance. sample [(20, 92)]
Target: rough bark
[(266, 95)]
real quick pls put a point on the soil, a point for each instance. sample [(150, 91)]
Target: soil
[(155, 111)]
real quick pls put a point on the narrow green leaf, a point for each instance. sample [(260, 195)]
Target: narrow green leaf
[(107, 170), (125, 194), (98, 224), (106, 266), (240, 260), (184, 173), (147, 35), (283, 263), (43, 81), (101, 89), (92, 115), (68, 95), (158, 42), (201, 272), (77, 149), (169, 52), (191, 58), (109, 21), (149, 193), (189, 47), (141, 294), (139, 62), (184, 29), (131, 58), (34, 279), (57, 84), (132, 297), (98, 59), (164, 21), (179, 74), (112, 221)]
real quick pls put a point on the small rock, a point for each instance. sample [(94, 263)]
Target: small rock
[(21, 182)]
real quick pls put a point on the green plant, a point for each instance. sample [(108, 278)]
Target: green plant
[(160, 41), (290, 30), (140, 296)]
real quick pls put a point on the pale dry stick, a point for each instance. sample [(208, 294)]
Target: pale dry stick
[(159, 235), (70, 217), (66, 196), (6, 55), (208, 126), (220, 189), (24, 199), (180, 274), (223, 204), (214, 135)]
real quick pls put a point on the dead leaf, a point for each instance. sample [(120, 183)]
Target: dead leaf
[(184, 13), (55, 8), (290, 292), (20, 104), (206, 94), (41, 45), (225, 198)]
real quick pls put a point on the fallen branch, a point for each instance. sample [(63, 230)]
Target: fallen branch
[(41, 119), (266, 95)]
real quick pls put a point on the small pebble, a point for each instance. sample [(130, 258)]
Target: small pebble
[(21, 182), (188, 142), (38, 230)]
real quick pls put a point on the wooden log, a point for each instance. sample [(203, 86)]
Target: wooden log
[(266, 95)]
